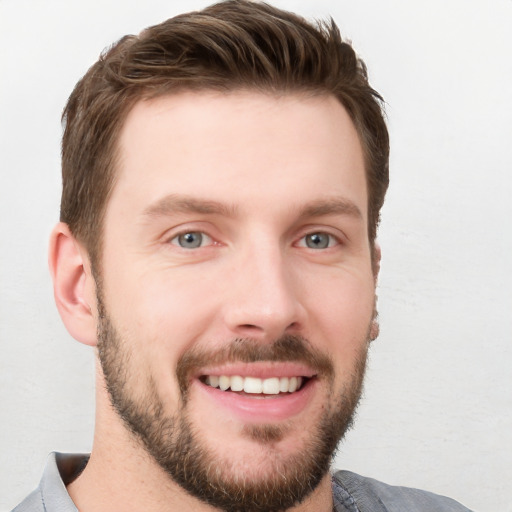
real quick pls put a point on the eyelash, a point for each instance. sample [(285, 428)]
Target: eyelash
[(206, 240), (332, 241), (175, 240)]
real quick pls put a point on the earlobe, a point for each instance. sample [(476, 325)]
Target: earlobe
[(73, 284)]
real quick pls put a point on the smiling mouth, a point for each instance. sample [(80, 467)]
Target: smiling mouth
[(255, 386)]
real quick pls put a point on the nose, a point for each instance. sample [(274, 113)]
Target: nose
[(264, 296)]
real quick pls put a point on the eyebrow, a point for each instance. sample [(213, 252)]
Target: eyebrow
[(332, 206), (174, 204)]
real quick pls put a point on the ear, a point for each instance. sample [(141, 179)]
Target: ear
[(73, 284), (375, 326)]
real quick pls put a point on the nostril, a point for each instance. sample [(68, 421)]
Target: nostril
[(267, 331)]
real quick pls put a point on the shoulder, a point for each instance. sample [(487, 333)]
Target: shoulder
[(51, 494), (373, 496), (32, 503)]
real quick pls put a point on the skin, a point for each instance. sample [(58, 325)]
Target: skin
[(274, 166)]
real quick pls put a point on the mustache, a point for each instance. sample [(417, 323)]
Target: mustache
[(288, 348)]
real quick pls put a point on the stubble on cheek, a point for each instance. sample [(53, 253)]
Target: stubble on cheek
[(178, 444)]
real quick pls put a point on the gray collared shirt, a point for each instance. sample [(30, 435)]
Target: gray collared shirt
[(351, 492)]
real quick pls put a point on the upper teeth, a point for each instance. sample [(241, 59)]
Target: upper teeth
[(271, 386)]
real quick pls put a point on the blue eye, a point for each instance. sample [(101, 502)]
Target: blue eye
[(319, 241), (191, 240)]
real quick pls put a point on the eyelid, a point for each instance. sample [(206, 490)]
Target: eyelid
[(333, 232), (206, 241), (209, 233), (332, 238)]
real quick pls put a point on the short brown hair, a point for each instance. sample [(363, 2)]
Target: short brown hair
[(235, 44)]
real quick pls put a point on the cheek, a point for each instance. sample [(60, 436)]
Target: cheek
[(155, 325), (349, 307), (342, 312), (165, 313)]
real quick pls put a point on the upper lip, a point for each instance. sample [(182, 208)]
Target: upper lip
[(260, 369)]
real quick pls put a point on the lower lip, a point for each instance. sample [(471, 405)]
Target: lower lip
[(261, 408)]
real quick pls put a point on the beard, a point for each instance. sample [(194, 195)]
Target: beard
[(173, 441)]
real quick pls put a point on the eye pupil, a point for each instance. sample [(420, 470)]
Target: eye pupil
[(317, 241), (190, 240)]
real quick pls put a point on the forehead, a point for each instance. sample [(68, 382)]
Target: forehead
[(241, 145)]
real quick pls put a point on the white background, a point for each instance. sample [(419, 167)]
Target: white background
[(437, 412)]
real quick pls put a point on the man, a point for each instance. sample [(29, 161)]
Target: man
[(223, 174)]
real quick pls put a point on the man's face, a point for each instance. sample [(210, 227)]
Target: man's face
[(237, 290)]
